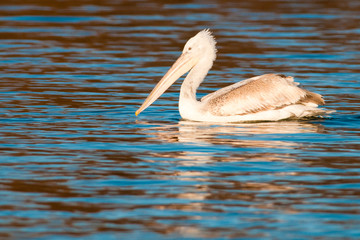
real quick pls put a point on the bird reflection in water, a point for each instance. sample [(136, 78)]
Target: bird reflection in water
[(232, 134), (201, 148)]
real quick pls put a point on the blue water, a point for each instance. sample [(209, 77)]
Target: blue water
[(75, 162)]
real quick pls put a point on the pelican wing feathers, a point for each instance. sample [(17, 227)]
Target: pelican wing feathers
[(265, 92)]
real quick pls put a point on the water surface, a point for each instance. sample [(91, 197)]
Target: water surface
[(76, 163)]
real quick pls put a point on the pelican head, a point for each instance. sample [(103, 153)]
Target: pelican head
[(200, 46)]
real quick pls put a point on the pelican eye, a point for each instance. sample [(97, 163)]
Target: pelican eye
[(189, 49)]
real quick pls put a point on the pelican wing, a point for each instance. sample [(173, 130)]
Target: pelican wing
[(265, 92)]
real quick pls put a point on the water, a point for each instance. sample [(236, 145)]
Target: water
[(77, 164)]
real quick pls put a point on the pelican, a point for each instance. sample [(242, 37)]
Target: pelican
[(269, 97)]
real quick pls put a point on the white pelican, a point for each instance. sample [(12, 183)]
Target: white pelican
[(269, 97)]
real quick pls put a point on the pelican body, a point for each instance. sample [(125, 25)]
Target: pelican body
[(269, 97)]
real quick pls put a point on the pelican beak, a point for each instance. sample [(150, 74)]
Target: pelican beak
[(182, 65)]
